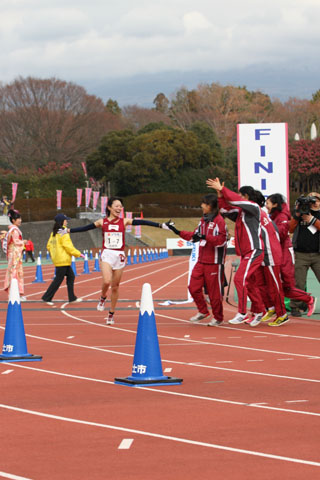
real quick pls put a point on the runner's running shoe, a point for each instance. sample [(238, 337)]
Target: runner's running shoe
[(239, 318), (215, 323), (312, 306), (256, 319), (101, 304), (200, 316), (268, 315), (110, 319), (279, 321)]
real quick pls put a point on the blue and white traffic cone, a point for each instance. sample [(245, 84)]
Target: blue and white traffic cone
[(147, 366), (129, 257), (24, 255), (91, 255), (96, 267), (86, 264), (140, 256), (14, 347), (73, 266), (47, 256), (39, 278), (134, 256), (156, 254)]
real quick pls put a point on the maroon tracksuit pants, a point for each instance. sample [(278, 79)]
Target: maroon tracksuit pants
[(209, 275)]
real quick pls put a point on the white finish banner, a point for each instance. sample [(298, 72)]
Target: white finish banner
[(263, 157)]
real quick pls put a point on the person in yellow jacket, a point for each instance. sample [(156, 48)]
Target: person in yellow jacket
[(61, 250)]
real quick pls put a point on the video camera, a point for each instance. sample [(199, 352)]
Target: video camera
[(303, 204)]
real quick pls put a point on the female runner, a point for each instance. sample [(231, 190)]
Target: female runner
[(113, 257)]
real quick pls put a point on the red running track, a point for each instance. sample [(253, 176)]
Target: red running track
[(248, 405)]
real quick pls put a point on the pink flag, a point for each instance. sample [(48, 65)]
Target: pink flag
[(14, 191), (79, 196), (129, 215), (95, 199), (104, 201), (88, 196), (84, 168), (59, 199)]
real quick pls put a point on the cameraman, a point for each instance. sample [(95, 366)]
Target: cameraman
[(305, 226)]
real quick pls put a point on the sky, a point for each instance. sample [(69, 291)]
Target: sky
[(137, 48)]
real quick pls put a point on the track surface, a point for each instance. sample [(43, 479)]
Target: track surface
[(248, 405)]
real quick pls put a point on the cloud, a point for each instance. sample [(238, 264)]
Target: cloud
[(98, 39)]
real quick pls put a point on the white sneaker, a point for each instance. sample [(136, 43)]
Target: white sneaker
[(256, 319), (239, 318), (50, 303), (214, 323), (200, 316), (78, 300), (101, 304), (110, 319)]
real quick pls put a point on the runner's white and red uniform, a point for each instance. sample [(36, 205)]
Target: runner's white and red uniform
[(113, 242)]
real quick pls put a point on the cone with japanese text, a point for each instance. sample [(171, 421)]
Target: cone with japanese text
[(39, 278), (96, 267), (14, 347), (73, 266), (86, 264), (147, 365)]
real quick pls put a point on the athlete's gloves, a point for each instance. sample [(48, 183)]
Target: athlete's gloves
[(196, 237), (167, 225), (170, 226), (82, 256)]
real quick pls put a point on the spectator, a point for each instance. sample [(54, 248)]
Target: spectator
[(12, 245), (29, 247), (6, 204), (61, 250), (306, 243)]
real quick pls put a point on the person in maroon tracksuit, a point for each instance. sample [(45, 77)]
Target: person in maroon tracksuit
[(280, 214), (208, 272), (246, 213), (268, 276)]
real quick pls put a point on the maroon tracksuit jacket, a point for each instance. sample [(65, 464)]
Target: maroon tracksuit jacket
[(208, 270), (249, 246)]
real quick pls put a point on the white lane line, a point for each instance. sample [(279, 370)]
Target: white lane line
[(125, 444), (167, 370), (247, 372), (186, 336), (225, 361), (199, 342), (168, 283), (12, 477), (168, 392), (162, 437), (284, 359), (296, 401), (6, 372), (258, 360), (71, 336)]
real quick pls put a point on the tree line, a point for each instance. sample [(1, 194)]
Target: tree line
[(48, 127)]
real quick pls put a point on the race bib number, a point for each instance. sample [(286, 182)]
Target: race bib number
[(113, 240)]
